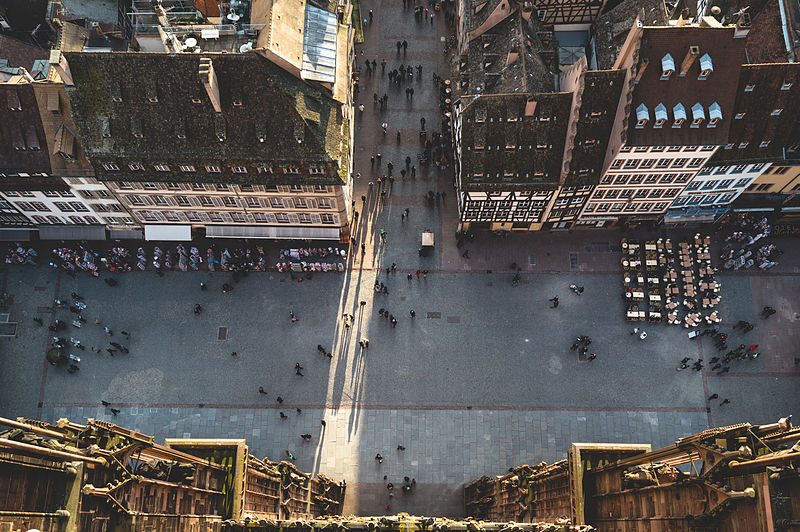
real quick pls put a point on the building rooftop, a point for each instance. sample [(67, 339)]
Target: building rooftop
[(767, 107), (765, 40), (23, 148), (601, 92), (687, 50), (154, 107), (611, 28), (514, 139), (514, 56), (19, 54)]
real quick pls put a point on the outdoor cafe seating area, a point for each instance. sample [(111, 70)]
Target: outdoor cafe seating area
[(675, 282)]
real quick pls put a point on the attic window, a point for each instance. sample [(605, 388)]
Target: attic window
[(592, 142), (764, 144), (776, 112), (583, 172), (478, 148), (678, 115), (510, 147), (706, 67), (786, 85), (661, 116), (698, 115), (116, 93), (667, 67), (197, 100), (749, 88), (642, 116), (596, 114), (151, 92), (743, 145), (161, 168), (136, 167), (714, 114), (136, 128), (538, 174), (111, 167), (105, 130), (13, 100), (541, 147), (739, 116)]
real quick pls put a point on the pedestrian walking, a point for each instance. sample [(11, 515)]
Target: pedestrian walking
[(290, 455), (405, 46), (725, 402), (362, 303), (713, 396), (592, 356), (412, 313), (261, 390), (292, 316), (383, 66), (115, 411), (401, 448), (383, 235), (279, 399), (379, 458), (399, 45), (422, 123), (370, 16), (283, 416), (555, 301), (108, 331)]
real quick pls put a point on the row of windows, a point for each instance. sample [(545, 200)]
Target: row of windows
[(648, 179), (659, 149), (644, 164), (231, 201), (45, 193), (237, 217), (563, 213), (704, 199), (213, 169), (630, 206), (641, 193), (86, 220), (220, 187), (34, 206), (722, 170), (713, 183)]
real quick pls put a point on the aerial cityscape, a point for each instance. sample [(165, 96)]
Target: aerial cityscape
[(410, 265)]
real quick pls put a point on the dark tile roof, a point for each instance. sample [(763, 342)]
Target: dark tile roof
[(23, 147), (601, 92), (611, 28), (727, 55), (33, 183), (764, 41), (758, 124), (484, 7), (20, 54), (276, 109), (514, 56), (527, 148)]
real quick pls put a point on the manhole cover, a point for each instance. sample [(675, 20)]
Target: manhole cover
[(453, 319), (573, 261), (434, 315), (223, 333)]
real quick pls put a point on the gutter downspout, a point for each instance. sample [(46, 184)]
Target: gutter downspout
[(785, 27)]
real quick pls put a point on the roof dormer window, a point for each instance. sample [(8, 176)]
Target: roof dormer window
[(776, 112), (749, 88), (698, 115), (786, 85), (679, 115), (739, 116), (714, 114), (667, 67), (642, 116), (661, 116), (764, 144), (706, 67)]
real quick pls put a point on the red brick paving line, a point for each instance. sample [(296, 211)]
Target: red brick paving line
[(331, 406)]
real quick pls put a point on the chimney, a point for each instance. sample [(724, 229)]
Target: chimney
[(742, 26), (640, 72), (59, 62), (209, 79), (688, 61)]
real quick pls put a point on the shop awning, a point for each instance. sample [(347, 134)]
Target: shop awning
[(168, 232), (72, 232), (125, 234), (279, 232), (11, 234)]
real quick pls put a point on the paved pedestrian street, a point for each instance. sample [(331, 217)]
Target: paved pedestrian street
[(481, 379)]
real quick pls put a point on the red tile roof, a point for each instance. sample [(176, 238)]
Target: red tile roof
[(727, 55), (20, 54)]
